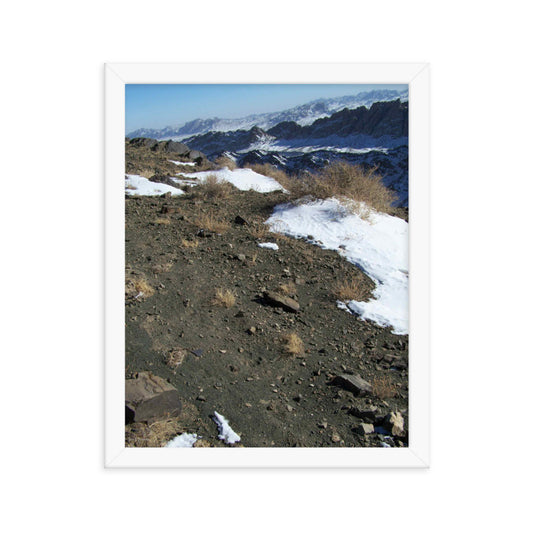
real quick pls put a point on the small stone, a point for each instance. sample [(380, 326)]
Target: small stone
[(394, 423), (290, 408), (252, 330), (323, 424), (364, 429), (201, 398), (241, 257), (335, 437), (248, 404)]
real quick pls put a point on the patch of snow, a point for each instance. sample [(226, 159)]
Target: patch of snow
[(182, 163), (244, 179), (144, 187), (225, 432), (185, 440), (268, 245), (376, 243)]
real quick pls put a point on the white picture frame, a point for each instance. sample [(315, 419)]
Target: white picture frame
[(117, 75)]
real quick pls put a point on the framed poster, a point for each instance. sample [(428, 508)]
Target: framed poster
[(267, 265)]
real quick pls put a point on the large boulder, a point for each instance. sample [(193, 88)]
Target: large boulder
[(150, 398)]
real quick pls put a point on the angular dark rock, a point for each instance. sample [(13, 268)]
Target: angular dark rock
[(355, 384), (149, 398), (278, 300)]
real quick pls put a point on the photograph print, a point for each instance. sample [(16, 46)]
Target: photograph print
[(266, 265)]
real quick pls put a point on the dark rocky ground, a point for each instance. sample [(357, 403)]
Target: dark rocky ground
[(233, 360)]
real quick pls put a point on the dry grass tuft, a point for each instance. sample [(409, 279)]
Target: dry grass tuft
[(292, 344), (289, 288), (258, 230), (155, 435), (353, 289), (175, 357), (213, 188), (347, 182), (224, 298), (383, 387), (225, 161), (190, 243), (210, 222), (137, 287), (162, 221)]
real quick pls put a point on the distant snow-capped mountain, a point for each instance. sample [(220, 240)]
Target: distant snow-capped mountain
[(302, 115)]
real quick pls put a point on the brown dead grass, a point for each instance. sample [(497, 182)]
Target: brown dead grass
[(225, 161), (155, 435), (292, 344), (383, 387), (213, 188), (190, 243), (137, 286), (208, 221), (352, 289), (352, 184), (175, 357), (162, 221), (288, 288), (258, 230), (224, 298)]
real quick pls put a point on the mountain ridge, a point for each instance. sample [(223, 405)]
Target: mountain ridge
[(303, 115)]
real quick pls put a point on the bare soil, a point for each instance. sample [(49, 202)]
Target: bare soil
[(232, 359)]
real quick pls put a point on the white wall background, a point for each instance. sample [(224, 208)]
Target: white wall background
[(51, 217)]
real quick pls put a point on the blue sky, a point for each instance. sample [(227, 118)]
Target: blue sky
[(156, 106)]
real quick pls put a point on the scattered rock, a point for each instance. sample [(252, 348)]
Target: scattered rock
[(149, 398), (355, 384), (366, 413), (335, 437), (394, 423), (241, 257), (278, 300), (364, 429)]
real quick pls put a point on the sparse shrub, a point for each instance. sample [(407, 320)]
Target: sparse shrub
[(175, 357), (137, 287), (353, 289), (210, 222), (225, 161), (189, 243), (350, 183), (213, 188), (224, 298), (292, 344), (258, 230), (288, 288), (154, 435), (383, 387), (347, 182)]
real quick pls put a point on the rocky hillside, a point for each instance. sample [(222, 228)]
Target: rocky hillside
[(252, 333)]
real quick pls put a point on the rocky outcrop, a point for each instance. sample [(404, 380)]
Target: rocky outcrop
[(172, 148), (150, 398), (383, 118)]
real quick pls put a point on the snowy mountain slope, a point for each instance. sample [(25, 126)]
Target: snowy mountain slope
[(303, 115)]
